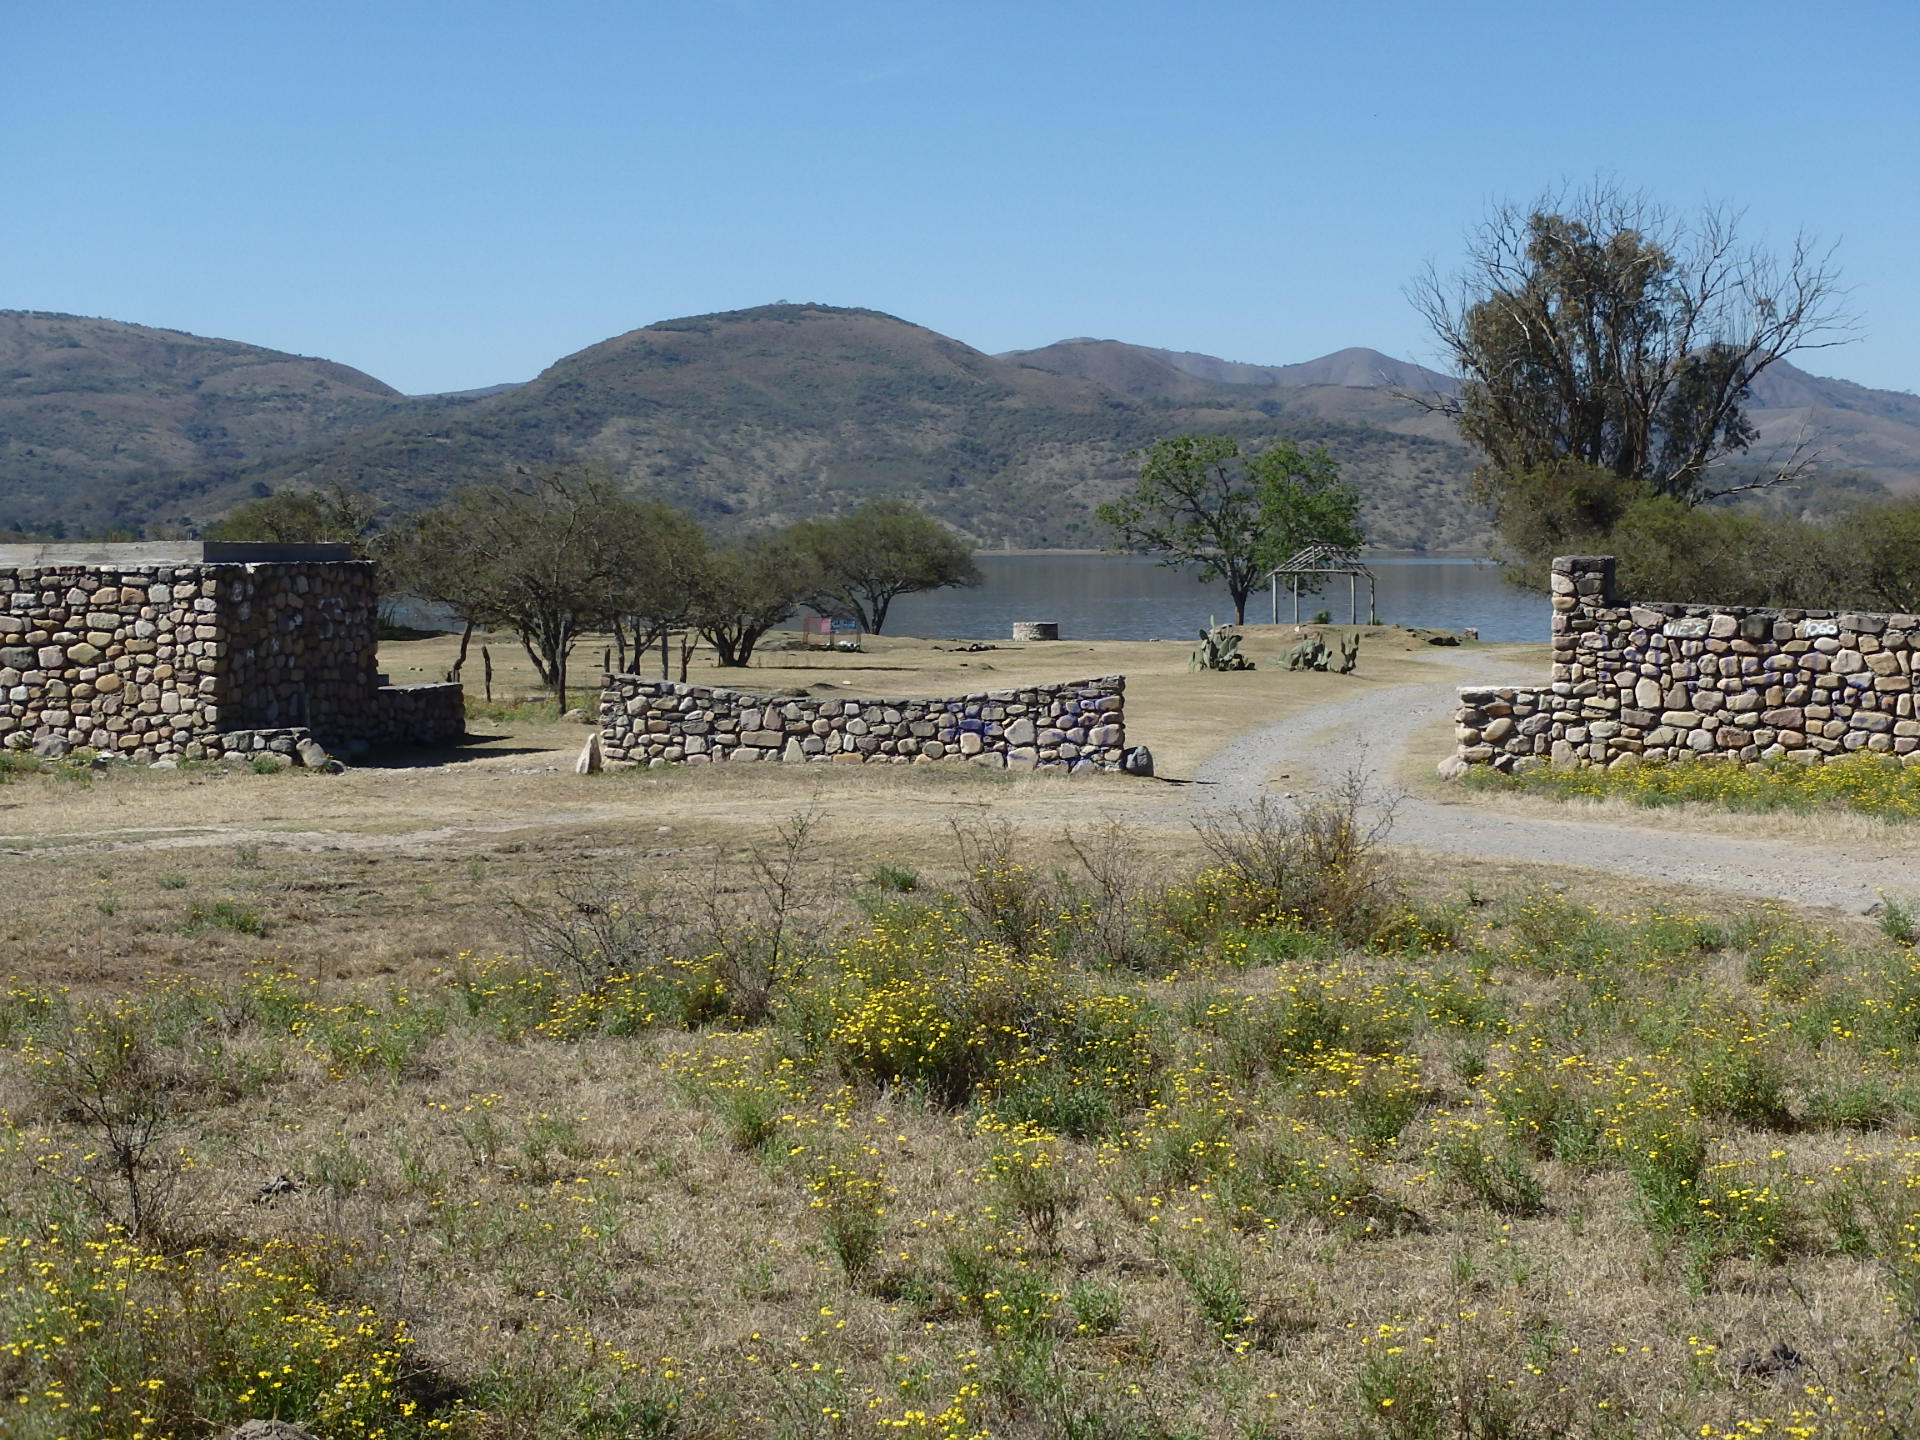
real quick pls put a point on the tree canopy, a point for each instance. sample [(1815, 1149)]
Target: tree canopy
[(866, 559), (746, 589), (336, 514), (1596, 334), (550, 556), (1200, 501)]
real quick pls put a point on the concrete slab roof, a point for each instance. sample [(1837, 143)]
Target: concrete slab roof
[(105, 555)]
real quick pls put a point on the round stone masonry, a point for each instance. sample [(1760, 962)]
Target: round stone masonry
[(1078, 727), (1656, 681)]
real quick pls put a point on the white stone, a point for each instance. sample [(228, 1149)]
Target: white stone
[(591, 761)]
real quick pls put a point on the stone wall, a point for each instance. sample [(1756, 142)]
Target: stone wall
[(302, 646), (1658, 681), (129, 654), (1075, 727), (417, 715)]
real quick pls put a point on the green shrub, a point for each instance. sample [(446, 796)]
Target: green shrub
[(1666, 1171), (224, 915), (850, 1201), (1029, 1177), (1216, 1278), (1499, 1178), (186, 1343), (1900, 921), (1097, 1309)]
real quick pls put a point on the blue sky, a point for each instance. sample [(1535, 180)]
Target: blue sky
[(454, 194)]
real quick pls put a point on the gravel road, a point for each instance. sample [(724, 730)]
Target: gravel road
[(1371, 732)]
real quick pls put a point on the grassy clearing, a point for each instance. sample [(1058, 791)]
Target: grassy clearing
[(1179, 714), (1874, 785), (1070, 1140), (521, 710)]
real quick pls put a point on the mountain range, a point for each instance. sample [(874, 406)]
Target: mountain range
[(764, 415)]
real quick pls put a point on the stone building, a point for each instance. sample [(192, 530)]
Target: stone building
[(200, 649)]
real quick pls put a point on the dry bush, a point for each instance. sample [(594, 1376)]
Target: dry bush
[(750, 923), (127, 1095), (1317, 864), (1007, 899), (1115, 893)]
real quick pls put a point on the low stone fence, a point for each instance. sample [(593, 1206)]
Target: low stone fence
[(1659, 681), (1075, 727), (417, 715)]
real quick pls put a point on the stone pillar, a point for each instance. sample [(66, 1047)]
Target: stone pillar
[(1580, 584)]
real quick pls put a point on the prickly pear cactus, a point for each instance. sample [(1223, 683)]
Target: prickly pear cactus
[(1219, 649)]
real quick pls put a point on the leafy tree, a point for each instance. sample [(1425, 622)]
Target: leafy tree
[(550, 556), (866, 559), (303, 517), (1866, 557), (1303, 501), (1881, 543), (1200, 501), (749, 588), (665, 564), (1596, 334)]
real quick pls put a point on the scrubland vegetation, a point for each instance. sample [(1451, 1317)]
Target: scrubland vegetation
[(1877, 785), (984, 1143)]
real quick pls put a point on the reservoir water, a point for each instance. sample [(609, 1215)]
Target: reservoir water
[(1129, 597)]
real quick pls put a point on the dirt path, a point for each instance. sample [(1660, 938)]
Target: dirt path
[(1370, 733)]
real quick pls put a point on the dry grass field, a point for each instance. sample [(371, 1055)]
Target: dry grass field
[(473, 1097), (364, 872)]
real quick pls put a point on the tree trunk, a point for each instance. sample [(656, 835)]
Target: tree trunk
[(466, 638), (730, 648), (744, 644)]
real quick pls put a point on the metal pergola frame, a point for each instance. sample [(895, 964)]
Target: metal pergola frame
[(1326, 560)]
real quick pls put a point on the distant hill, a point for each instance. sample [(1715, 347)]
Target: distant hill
[(89, 405), (1874, 434), (760, 416), (764, 415), (1144, 370), (1860, 437), (1356, 366)]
